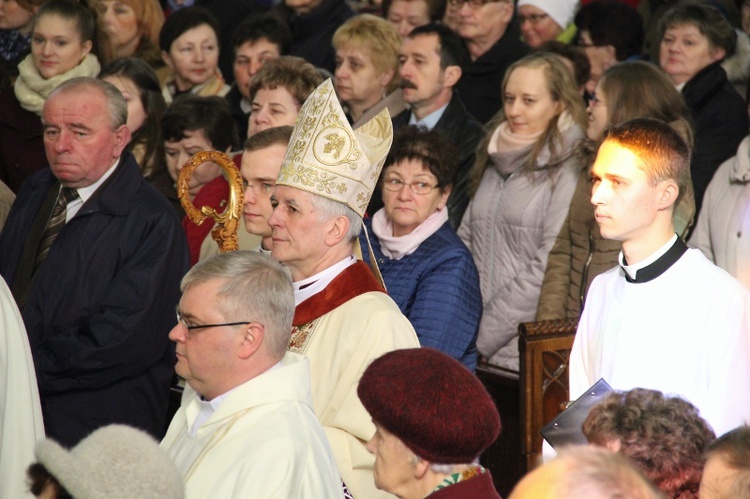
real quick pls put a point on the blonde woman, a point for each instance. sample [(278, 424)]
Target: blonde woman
[(367, 67), (522, 183)]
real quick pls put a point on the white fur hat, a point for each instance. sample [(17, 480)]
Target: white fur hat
[(114, 462), (561, 11)]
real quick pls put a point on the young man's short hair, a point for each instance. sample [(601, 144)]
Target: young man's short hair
[(663, 153), (280, 135)]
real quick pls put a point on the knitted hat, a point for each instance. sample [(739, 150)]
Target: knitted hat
[(327, 158), (114, 462), (561, 11), (432, 403)]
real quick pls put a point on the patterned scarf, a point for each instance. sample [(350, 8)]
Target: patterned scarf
[(461, 476)]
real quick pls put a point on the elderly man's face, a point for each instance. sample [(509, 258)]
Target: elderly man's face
[(78, 139), (299, 237), (394, 462), (486, 23)]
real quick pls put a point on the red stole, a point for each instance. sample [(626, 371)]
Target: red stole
[(356, 280)]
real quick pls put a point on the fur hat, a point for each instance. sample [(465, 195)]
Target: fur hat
[(115, 461), (327, 158), (561, 11), (432, 403)]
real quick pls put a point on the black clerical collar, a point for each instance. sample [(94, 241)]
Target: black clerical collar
[(659, 266)]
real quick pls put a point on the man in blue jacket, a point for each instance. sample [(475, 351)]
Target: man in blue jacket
[(93, 256)]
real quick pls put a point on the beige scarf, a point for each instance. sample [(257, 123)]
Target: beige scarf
[(32, 89)]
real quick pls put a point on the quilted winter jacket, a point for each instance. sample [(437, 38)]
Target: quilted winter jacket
[(437, 289), (510, 226)]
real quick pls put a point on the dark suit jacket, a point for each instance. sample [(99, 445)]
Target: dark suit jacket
[(101, 304), (464, 132)]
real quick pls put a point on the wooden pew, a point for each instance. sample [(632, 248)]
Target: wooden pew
[(544, 354), (528, 400)]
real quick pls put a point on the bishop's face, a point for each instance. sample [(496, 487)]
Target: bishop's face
[(299, 237)]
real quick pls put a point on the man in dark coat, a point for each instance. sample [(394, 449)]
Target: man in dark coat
[(313, 23), (494, 42), (94, 256), (431, 62)]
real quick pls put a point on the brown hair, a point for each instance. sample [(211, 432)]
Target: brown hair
[(707, 18), (664, 436), (663, 153), (639, 90), (269, 137), (296, 75)]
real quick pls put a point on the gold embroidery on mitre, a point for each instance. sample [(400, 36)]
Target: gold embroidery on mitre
[(327, 158)]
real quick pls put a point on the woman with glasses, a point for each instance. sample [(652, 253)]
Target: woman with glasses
[(428, 271), (625, 91), (522, 183), (546, 20)]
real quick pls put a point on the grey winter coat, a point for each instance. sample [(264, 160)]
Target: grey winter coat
[(510, 226)]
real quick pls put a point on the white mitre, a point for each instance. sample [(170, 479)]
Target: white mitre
[(327, 158)]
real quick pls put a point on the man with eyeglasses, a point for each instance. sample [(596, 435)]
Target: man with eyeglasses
[(246, 427), (494, 42)]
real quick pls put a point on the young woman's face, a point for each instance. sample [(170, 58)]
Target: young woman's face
[(528, 104), (193, 56), (136, 113), (56, 45), (598, 117), (120, 23)]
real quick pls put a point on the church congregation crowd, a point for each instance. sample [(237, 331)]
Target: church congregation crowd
[(418, 178)]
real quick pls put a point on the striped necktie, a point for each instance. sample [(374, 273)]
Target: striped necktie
[(56, 223)]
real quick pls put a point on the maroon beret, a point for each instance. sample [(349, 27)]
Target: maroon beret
[(432, 403)]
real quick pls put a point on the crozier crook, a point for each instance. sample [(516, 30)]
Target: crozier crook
[(225, 230)]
